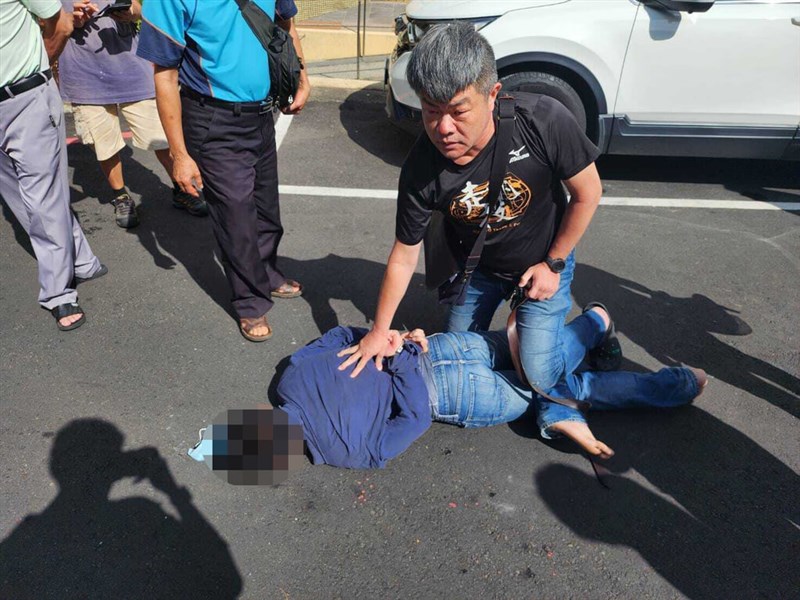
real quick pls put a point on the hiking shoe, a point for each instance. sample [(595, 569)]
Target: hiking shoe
[(194, 206), (125, 211)]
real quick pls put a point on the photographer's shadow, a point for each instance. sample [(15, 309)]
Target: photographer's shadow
[(358, 280), (84, 545), (677, 331)]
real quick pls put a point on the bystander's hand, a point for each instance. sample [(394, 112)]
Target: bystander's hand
[(300, 98), (82, 11), (541, 282), (375, 345), (187, 175), (133, 14)]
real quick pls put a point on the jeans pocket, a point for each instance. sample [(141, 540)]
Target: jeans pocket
[(484, 404)]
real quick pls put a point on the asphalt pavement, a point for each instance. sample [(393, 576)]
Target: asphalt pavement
[(703, 501)]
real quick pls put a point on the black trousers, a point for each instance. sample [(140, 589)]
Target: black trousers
[(237, 159)]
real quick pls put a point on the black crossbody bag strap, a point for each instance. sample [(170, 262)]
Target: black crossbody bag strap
[(505, 131), (270, 24)]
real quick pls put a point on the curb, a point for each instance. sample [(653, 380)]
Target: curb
[(342, 84)]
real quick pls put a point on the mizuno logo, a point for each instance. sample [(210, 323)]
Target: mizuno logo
[(518, 154)]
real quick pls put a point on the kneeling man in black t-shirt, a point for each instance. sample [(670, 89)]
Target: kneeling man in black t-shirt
[(533, 230)]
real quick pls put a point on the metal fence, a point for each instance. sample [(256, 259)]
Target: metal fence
[(349, 14)]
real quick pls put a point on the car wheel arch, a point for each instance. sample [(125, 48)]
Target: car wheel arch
[(574, 73)]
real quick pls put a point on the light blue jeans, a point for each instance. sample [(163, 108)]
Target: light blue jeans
[(476, 385)]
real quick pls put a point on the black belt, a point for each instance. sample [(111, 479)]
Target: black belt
[(261, 108), (25, 84)]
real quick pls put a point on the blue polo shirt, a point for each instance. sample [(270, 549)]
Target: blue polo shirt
[(210, 43)]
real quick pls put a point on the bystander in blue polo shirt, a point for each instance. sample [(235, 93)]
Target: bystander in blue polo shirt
[(177, 34)]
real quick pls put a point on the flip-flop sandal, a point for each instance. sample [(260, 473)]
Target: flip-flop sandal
[(287, 290), (607, 356), (246, 326), (103, 270), (66, 310)]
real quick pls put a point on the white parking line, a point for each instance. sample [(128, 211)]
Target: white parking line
[(281, 127), (330, 192)]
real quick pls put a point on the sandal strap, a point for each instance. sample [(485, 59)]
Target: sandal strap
[(66, 310)]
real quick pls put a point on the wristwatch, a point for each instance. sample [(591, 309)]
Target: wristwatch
[(556, 264)]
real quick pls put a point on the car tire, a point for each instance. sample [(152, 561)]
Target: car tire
[(548, 85)]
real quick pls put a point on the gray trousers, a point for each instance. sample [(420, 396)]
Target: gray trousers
[(34, 184)]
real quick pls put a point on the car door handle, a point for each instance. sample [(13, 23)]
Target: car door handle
[(796, 21)]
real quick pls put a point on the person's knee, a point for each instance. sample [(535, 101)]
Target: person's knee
[(543, 370)]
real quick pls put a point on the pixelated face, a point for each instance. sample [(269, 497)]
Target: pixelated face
[(255, 446)]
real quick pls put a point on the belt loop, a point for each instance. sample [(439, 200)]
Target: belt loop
[(237, 109), (8, 91)]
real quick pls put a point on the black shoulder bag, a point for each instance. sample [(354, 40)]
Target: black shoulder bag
[(442, 268), (284, 64)]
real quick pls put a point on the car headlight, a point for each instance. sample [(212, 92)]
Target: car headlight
[(416, 29)]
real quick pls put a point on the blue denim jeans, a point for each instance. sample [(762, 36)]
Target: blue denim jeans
[(476, 385), (540, 325)]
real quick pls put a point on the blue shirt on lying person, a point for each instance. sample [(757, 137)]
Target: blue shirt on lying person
[(355, 423)]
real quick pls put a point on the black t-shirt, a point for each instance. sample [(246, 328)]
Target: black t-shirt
[(548, 146)]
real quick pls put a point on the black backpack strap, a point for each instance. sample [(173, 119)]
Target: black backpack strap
[(506, 115)]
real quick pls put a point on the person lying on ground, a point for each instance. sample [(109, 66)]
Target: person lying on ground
[(462, 378)]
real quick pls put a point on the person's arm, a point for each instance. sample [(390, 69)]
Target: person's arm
[(304, 88), (586, 191), (378, 343), (55, 32), (168, 99)]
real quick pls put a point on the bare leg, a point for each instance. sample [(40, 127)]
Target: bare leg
[(112, 169), (166, 161)]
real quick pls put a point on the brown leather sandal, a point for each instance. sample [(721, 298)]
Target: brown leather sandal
[(246, 326), (287, 290)]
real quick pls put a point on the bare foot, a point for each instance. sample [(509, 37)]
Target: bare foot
[(702, 379), (581, 434)]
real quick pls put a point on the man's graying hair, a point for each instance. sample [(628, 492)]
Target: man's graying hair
[(450, 58)]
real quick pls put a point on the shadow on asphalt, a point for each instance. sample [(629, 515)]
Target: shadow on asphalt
[(750, 178), (168, 234), (85, 545), (19, 233), (723, 522), (678, 331), (363, 117), (357, 280)]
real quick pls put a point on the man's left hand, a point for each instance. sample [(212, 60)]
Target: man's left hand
[(541, 282)]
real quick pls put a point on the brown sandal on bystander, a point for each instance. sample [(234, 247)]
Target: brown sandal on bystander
[(248, 326)]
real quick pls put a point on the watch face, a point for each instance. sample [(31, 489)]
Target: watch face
[(556, 264)]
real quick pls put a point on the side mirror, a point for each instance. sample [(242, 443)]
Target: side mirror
[(689, 6)]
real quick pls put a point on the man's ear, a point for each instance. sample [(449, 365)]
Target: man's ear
[(493, 93)]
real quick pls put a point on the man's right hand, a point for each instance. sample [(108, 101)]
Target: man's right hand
[(375, 345), (82, 11), (187, 175)]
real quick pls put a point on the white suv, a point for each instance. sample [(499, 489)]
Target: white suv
[(657, 77)]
